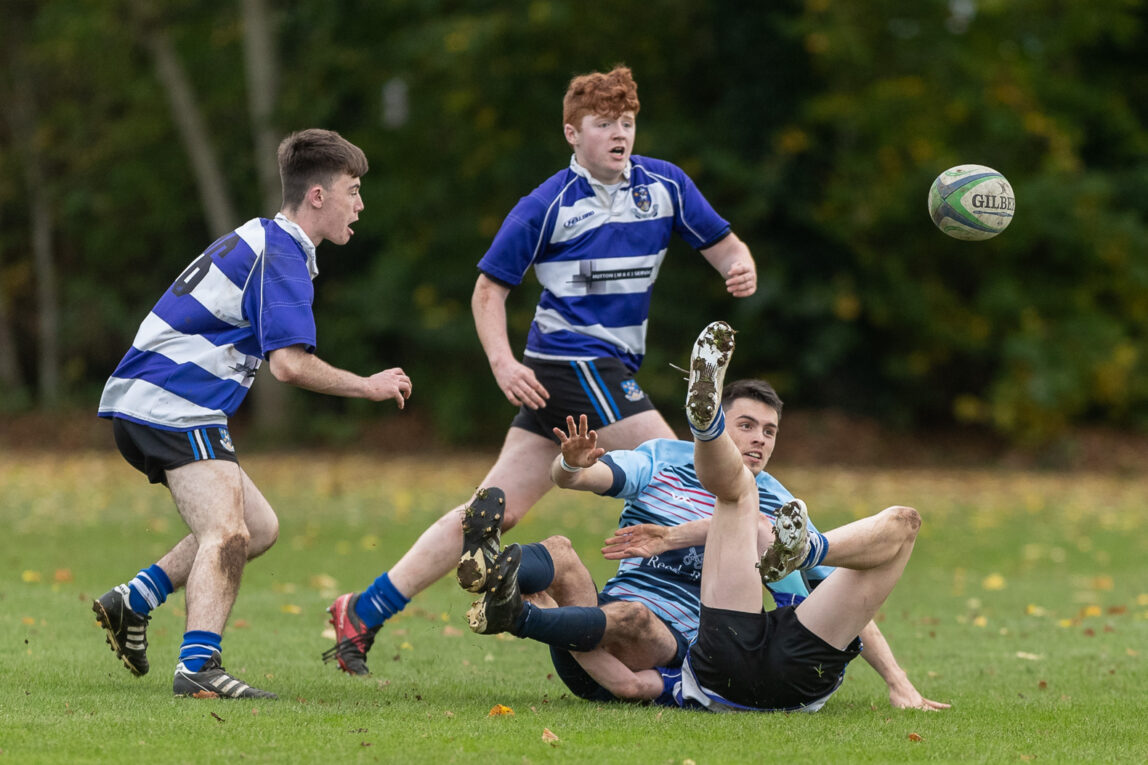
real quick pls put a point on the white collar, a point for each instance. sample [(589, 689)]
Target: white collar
[(299, 235), (594, 182)]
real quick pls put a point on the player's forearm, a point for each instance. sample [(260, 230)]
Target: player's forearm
[(728, 252), (687, 534), (596, 478), (488, 305), (879, 655), (295, 366), (609, 672)]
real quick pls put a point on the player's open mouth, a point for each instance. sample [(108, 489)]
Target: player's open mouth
[(619, 150), (753, 455)]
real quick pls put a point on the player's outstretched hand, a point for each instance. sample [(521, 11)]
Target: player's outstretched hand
[(579, 444), (388, 384), (520, 386), (644, 540), (910, 698), (741, 281)]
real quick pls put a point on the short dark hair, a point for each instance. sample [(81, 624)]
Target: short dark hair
[(758, 390), (312, 156)]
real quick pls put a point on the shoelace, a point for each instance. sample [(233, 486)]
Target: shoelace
[(360, 643)]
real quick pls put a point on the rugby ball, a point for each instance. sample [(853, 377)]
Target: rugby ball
[(971, 202)]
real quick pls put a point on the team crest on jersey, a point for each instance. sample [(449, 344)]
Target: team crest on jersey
[(642, 199), (225, 440), (694, 558), (631, 391), (643, 202)]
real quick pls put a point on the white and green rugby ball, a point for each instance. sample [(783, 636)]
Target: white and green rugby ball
[(971, 202)]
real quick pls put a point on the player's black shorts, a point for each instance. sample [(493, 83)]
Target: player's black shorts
[(579, 681), (153, 451), (767, 660), (603, 389)]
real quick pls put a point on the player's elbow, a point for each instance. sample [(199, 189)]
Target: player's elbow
[(286, 364)]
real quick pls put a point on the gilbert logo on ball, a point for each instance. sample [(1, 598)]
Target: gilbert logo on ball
[(971, 202)]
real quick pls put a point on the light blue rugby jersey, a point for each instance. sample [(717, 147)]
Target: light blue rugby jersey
[(660, 486), (195, 355), (597, 255)]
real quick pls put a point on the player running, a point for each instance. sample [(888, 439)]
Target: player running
[(246, 298)]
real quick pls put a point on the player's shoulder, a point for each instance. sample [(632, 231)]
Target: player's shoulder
[(659, 168), (553, 187), (668, 450), (771, 484)]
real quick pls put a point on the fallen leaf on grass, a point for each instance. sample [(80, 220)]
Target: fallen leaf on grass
[(63, 575), (291, 608), (993, 582), (915, 737), (549, 737), (217, 717), (450, 631), (1028, 656), (499, 710), (30, 577)]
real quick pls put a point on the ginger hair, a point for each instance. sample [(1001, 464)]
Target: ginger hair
[(600, 93)]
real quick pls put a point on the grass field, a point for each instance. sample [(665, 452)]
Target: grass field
[(1025, 606)]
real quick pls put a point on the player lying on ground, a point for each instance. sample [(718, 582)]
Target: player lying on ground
[(649, 611)]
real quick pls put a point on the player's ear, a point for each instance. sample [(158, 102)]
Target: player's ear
[(314, 196), (570, 132)]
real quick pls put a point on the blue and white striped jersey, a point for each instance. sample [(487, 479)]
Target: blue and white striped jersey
[(195, 355), (597, 251), (658, 482)]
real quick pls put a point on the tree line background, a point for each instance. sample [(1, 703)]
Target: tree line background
[(135, 132)]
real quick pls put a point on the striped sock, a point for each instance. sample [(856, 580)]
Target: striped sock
[(149, 589), (380, 602), (198, 645), (716, 428), (818, 547)]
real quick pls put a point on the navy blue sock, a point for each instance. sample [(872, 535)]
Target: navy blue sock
[(380, 602), (575, 628), (149, 589), (536, 572), (198, 645)]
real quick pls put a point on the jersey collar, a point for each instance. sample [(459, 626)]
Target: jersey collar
[(577, 169), (297, 233)]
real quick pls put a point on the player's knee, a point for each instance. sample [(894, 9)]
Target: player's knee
[(262, 535), (627, 620), (233, 554), (905, 519), (559, 547)]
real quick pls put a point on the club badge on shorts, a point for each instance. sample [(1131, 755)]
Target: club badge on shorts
[(631, 391), (225, 440)]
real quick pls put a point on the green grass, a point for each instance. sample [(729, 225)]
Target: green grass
[(1025, 606)]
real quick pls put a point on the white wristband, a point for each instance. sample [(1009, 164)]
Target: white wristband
[(567, 466)]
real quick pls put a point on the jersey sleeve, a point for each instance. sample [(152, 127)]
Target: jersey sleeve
[(632, 471), (695, 219), (517, 243), (278, 302)]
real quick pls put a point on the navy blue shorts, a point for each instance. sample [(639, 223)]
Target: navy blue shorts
[(153, 451), (765, 660), (579, 681), (603, 389)]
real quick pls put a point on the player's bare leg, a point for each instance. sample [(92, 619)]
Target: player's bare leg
[(522, 471), (847, 600), (262, 528), (209, 496)]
